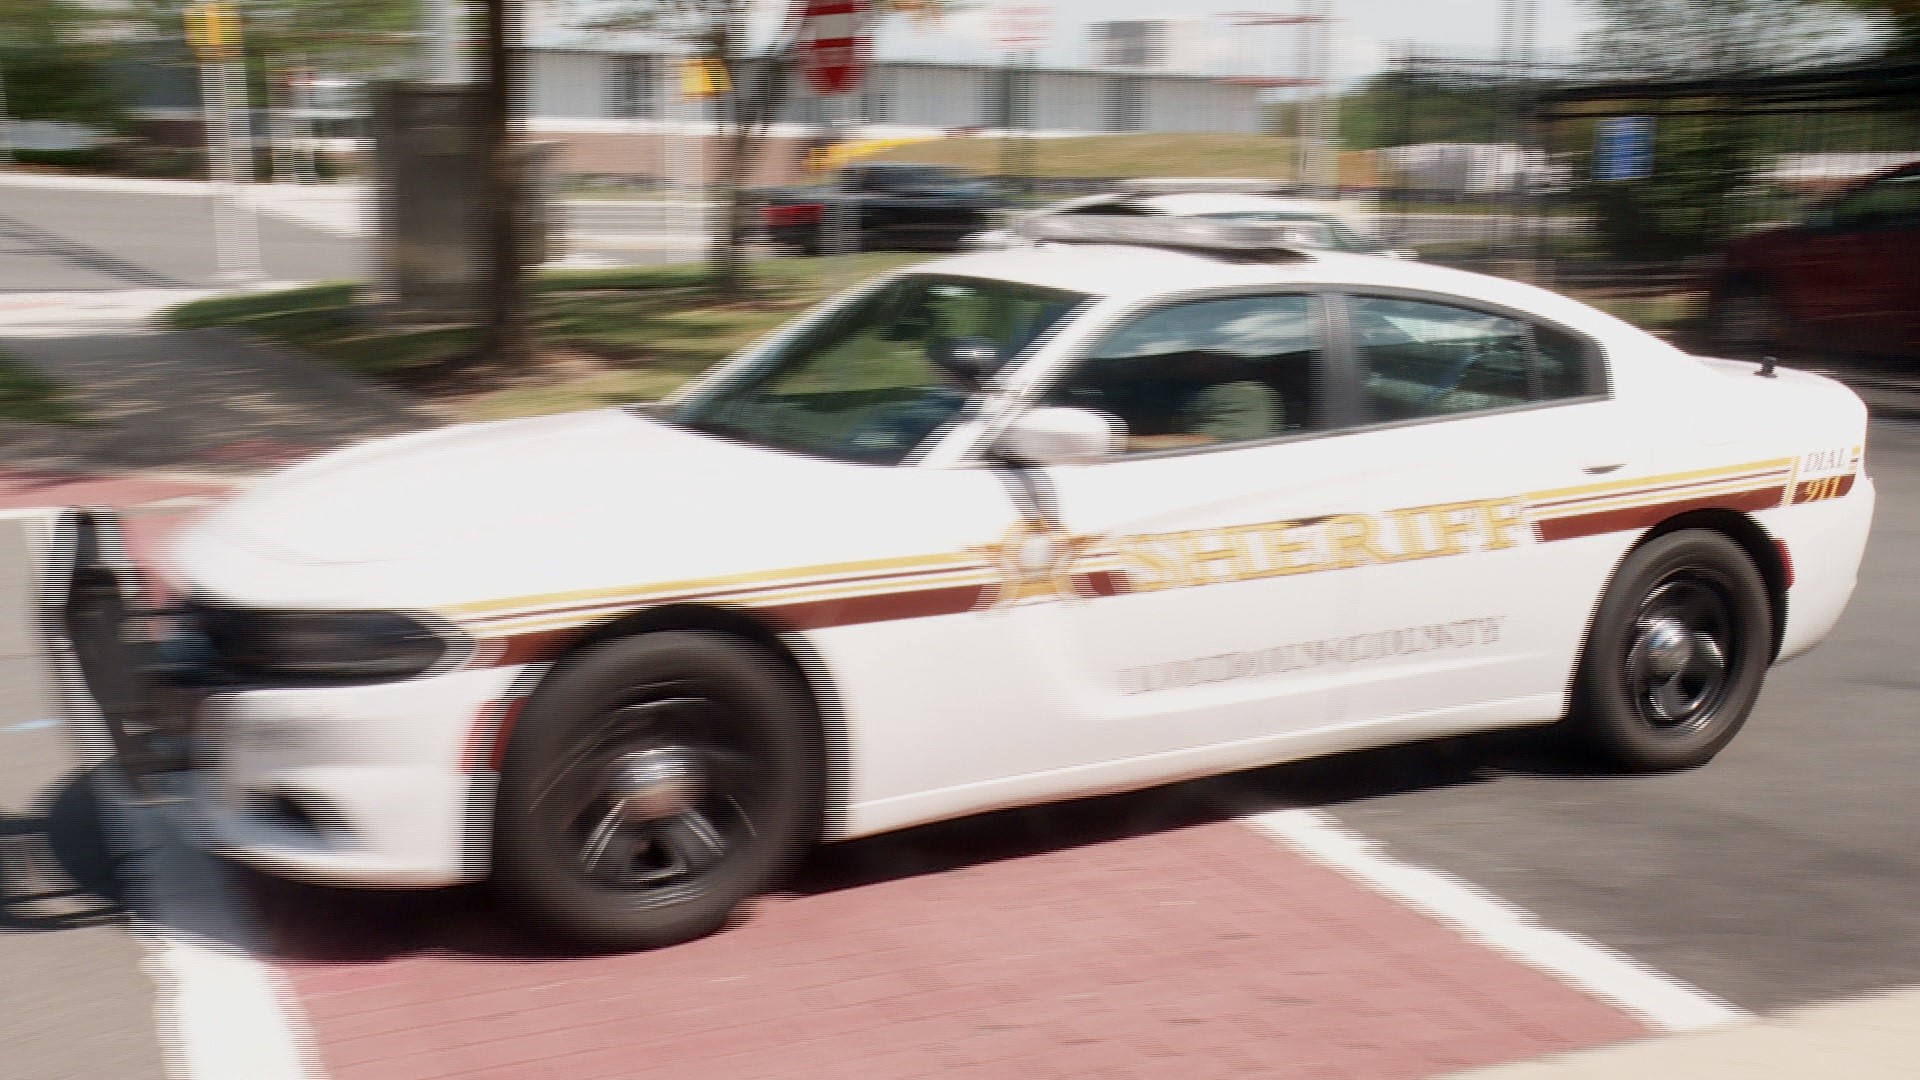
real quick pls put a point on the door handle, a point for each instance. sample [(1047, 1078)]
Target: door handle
[(1601, 468)]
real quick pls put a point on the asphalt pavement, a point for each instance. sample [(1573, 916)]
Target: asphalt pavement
[(1783, 873)]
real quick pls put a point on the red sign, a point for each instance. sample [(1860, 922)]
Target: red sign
[(834, 45)]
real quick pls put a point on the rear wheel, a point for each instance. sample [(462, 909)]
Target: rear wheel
[(1678, 651), (653, 785)]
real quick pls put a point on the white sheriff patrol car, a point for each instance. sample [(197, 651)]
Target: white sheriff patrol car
[(1150, 500)]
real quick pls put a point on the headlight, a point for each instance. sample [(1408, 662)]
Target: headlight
[(344, 645)]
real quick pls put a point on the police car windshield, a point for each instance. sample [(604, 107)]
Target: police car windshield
[(874, 380)]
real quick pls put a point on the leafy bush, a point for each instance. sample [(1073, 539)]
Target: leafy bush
[(92, 158)]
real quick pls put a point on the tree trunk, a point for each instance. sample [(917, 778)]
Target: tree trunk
[(508, 341), (729, 234), (759, 89)]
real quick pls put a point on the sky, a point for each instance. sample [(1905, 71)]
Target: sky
[(1364, 30)]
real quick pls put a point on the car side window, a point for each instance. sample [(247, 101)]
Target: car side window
[(1419, 359), (1564, 363), (1205, 372)]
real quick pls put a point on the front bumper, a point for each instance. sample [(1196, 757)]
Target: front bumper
[(353, 785), (1827, 540), (385, 784)]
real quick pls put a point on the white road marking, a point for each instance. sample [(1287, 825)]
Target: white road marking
[(1655, 998), (25, 726), (33, 515), (222, 1013)]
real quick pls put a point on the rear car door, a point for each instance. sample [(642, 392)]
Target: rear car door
[(1471, 416)]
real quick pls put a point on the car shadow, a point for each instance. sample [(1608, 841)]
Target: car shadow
[(57, 870), (310, 925)]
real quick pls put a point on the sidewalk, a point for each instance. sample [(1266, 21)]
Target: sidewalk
[(1874, 1036), (204, 401), (1139, 936)]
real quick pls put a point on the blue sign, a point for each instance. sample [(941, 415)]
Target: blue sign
[(1623, 148)]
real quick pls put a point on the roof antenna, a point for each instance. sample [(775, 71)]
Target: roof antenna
[(1766, 367)]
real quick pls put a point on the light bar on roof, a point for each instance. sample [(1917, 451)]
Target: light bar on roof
[(1200, 186), (1245, 239)]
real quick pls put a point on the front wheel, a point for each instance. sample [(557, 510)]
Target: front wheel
[(652, 785), (1679, 647)]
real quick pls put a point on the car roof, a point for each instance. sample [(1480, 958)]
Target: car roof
[(1135, 274)]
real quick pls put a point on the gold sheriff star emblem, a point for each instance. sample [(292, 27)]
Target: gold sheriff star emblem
[(1037, 561)]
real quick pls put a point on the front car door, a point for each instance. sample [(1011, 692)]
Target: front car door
[(1177, 617)]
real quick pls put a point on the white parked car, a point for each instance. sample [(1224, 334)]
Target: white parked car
[(1329, 224), (1131, 506)]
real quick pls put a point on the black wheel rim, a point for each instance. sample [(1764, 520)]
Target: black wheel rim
[(1685, 647), (659, 793)]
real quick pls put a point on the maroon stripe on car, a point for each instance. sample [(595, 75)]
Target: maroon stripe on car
[(1640, 517)]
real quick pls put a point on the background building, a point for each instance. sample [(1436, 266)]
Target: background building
[(1159, 45), (609, 110)]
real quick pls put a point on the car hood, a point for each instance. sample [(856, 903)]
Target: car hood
[(543, 504)]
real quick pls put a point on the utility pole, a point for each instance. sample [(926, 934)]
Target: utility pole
[(1518, 209), (6, 124), (1020, 31), (213, 29), (441, 56), (1312, 116)]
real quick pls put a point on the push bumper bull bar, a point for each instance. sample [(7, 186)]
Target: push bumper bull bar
[(126, 691)]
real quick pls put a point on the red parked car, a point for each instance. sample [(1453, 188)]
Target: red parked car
[(1845, 279)]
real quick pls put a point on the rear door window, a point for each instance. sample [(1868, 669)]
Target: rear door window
[(1421, 358)]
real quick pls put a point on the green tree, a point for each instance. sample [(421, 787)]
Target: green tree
[(1707, 152), (347, 37), (55, 67), (1901, 18), (1691, 38), (1399, 107)]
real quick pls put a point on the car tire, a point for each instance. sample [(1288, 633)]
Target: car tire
[(1746, 317), (652, 785), (1679, 647)]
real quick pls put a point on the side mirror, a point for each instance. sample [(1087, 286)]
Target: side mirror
[(1063, 436)]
